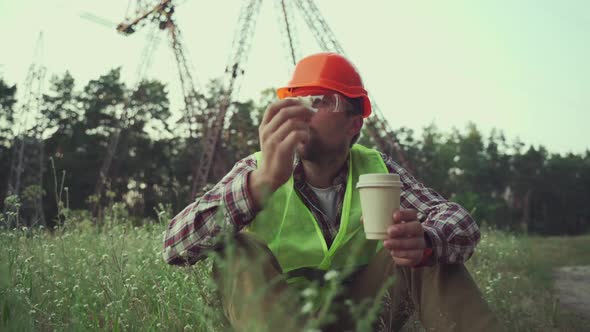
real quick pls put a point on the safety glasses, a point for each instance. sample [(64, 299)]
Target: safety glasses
[(329, 102)]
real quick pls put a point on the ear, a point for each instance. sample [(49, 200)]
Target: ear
[(356, 125)]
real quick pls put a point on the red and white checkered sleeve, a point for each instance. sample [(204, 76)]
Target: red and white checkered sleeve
[(227, 207), (451, 229)]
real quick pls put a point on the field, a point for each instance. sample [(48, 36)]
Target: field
[(80, 277)]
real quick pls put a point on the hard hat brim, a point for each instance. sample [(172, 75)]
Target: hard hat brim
[(293, 91)]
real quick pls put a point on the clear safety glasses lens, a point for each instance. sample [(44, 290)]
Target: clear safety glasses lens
[(322, 103)]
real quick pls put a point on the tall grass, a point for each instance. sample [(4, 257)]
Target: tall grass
[(78, 277), (112, 280)]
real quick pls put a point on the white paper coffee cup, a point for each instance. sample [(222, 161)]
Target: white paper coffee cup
[(380, 194)]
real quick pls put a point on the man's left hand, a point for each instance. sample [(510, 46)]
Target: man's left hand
[(405, 238)]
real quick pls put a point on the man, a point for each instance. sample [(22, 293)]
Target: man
[(293, 207)]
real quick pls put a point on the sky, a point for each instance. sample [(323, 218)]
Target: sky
[(518, 66)]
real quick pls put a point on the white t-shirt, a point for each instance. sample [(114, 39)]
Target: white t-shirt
[(328, 201)]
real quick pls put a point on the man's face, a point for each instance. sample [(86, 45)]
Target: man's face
[(330, 133)]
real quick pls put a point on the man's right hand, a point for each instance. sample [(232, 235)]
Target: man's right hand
[(284, 125)]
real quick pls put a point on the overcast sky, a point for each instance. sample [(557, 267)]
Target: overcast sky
[(520, 66)]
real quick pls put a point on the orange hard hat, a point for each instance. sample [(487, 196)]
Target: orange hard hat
[(329, 71)]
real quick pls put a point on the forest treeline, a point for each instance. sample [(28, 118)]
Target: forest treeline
[(509, 184)]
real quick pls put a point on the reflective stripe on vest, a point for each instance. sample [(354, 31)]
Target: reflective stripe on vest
[(293, 235)]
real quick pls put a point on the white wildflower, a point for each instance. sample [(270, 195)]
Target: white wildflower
[(331, 275), (309, 292), (307, 308)]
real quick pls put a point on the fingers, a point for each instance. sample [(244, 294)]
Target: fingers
[(284, 125), (296, 113), (407, 254), (405, 241), (405, 230), (407, 257), (279, 107), (274, 108), (405, 244), (288, 126), (403, 261), (292, 139), (405, 215), (291, 121)]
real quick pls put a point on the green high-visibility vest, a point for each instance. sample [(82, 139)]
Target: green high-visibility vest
[(293, 235)]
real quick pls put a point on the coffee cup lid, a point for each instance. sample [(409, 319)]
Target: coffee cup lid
[(378, 180)]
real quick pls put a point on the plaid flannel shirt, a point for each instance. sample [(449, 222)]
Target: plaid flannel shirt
[(196, 229)]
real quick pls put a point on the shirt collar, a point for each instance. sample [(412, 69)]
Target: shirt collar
[(340, 179)]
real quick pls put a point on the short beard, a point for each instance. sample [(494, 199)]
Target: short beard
[(316, 152)]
